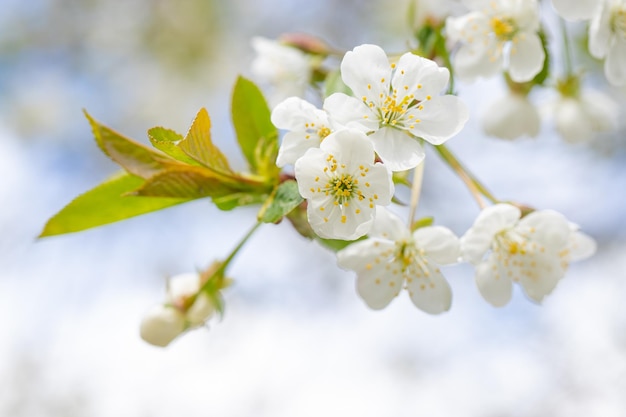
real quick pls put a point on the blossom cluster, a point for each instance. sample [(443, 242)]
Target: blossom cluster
[(376, 114)]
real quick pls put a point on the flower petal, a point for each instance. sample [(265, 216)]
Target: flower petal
[(376, 284), (510, 117), (350, 112), (543, 274), (293, 113), (495, 287), (430, 292), (438, 243), (366, 65), (526, 57), (615, 64), (349, 146), (580, 246), (441, 118), (389, 226), (397, 149), (546, 227), (161, 325), (419, 76), (294, 146), (477, 240), (600, 31)]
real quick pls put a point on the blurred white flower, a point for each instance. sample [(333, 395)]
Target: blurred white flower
[(285, 68), (607, 39), (579, 117), (392, 258), (164, 322), (307, 126), (492, 30), (342, 185), (575, 10), (533, 251), (397, 103), (511, 116), (434, 11)]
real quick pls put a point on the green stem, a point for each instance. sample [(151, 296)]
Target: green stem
[(473, 184), (209, 282), (567, 49), (416, 190)]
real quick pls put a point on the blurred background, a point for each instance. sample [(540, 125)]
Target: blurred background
[(296, 340)]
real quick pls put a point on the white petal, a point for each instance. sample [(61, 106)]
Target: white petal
[(439, 244), (380, 182), (161, 325), (358, 255), (441, 118), (547, 227), (419, 76), (575, 10), (349, 146), (602, 110), (600, 31), (615, 64), (397, 149), (540, 279), (511, 117), (294, 146), (526, 57), (388, 225), (183, 286), (571, 121), (477, 241), (350, 112), (309, 167), (293, 113), (329, 223), (493, 284), (366, 65), (200, 311), (580, 246), (430, 293)]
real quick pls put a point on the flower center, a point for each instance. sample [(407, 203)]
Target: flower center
[(504, 28), (322, 132), (618, 21), (342, 187), (511, 243)]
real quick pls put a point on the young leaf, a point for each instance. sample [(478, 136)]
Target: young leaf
[(198, 145), (134, 157), (285, 198), (257, 136), (186, 182), (105, 204), (231, 201), (167, 140)]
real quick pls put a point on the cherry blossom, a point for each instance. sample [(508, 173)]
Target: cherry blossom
[(511, 116), (607, 39)]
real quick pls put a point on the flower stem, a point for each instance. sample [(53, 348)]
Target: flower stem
[(416, 190), (209, 281), (476, 188), (567, 49)]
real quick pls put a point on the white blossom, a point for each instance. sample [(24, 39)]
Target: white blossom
[(342, 185), (607, 39), (397, 103), (575, 9), (497, 35), (533, 251), (285, 68), (579, 117), (164, 322), (511, 116), (392, 258), (307, 126)]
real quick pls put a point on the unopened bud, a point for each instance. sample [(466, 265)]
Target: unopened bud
[(161, 325)]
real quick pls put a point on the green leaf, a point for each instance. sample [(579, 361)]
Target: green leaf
[(257, 136), (198, 145), (423, 222), (233, 200), (334, 84), (134, 157), (105, 204), (285, 198), (186, 182), (167, 140)]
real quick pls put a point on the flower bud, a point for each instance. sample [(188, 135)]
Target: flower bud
[(510, 117), (161, 325)]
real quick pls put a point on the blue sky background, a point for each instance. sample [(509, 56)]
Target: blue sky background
[(296, 340)]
